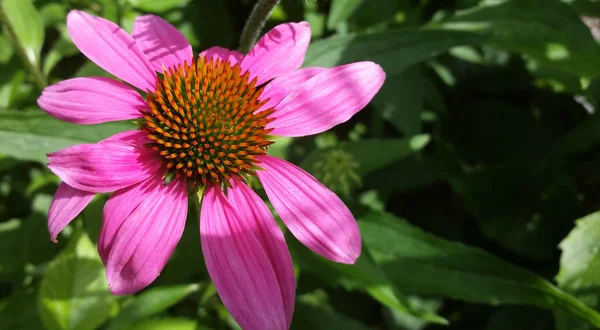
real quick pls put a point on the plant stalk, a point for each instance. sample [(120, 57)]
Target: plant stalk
[(255, 23), (33, 68)]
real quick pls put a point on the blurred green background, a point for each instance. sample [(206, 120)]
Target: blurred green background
[(474, 174)]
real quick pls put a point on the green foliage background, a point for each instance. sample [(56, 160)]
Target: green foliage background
[(474, 174)]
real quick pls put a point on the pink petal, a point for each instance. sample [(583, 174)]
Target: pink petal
[(106, 166), (259, 220), (163, 44), (67, 203), (91, 101), (327, 99), (239, 266), (278, 52), (109, 46), (215, 52), (314, 214), (141, 226), (286, 84)]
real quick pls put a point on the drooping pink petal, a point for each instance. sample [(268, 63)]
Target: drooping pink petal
[(106, 166), (239, 267), (163, 44), (286, 84), (109, 46), (215, 52), (91, 101), (67, 203), (278, 52), (327, 99), (314, 214), (257, 218), (141, 227)]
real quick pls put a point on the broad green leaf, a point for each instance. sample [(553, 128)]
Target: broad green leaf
[(28, 243), (28, 26), (580, 259), (319, 317), (74, 291), (169, 323), (456, 270), (537, 225), (579, 267), (6, 50), (61, 48), (404, 96), (394, 50), (158, 6), (519, 318), (341, 10), (29, 135), (549, 31), (149, 303), (363, 275), (579, 139), (19, 312)]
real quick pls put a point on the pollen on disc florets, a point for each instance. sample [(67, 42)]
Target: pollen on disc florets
[(204, 121)]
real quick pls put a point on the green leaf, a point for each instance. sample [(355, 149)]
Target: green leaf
[(394, 50), (28, 243), (404, 96), (19, 311), (169, 323), (309, 316), (457, 270), (549, 31), (28, 26), (579, 267), (158, 6), (62, 47), (363, 275), (149, 303), (74, 291), (29, 135), (341, 10)]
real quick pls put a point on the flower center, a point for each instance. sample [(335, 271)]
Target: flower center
[(204, 121)]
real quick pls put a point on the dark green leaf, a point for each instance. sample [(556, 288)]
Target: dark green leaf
[(550, 31), (394, 50), (457, 270)]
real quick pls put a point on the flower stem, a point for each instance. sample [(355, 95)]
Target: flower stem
[(33, 68), (255, 23)]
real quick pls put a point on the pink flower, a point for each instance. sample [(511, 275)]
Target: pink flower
[(205, 125)]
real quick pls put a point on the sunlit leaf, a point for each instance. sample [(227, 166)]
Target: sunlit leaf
[(158, 6), (549, 31), (74, 291), (29, 135), (149, 303), (394, 50), (579, 267), (28, 26)]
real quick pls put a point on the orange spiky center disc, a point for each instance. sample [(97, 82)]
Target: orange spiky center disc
[(204, 123)]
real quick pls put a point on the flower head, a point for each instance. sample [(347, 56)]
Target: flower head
[(205, 124)]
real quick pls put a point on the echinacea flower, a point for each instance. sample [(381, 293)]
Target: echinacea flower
[(205, 125)]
